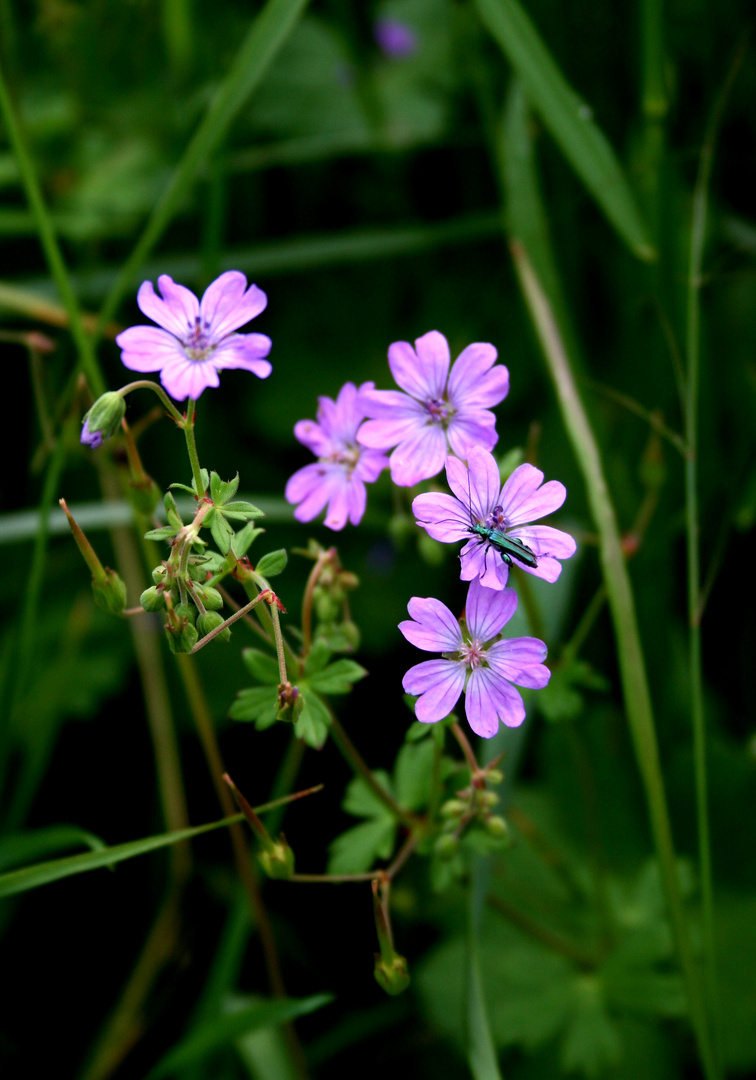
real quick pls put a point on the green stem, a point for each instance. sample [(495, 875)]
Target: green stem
[(148, 384), (630, 655), (191, 445), (49, 242)]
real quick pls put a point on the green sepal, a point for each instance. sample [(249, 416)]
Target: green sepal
[(272, 563), (109, 593), (392, 977)]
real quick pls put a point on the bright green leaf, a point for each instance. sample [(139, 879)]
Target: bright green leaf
[(261, 666), (355, 851), (338, 677), (272, 563)]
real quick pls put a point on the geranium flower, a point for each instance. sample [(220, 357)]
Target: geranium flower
[(195, 339), (343, 468), (486, 514), (485, 669), (439, 409)]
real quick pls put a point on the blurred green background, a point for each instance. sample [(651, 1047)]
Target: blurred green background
[(364, 192)]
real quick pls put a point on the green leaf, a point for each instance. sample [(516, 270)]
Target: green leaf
[(338, 677), (417, 731), (221, 491), (182, 487), (222, 1030), (31, 877), (360, 800), (317, 658), (568, 119), (355, 851), (244, 539), (163, 533), (171, 511), (24, 847), (242, 511), (313, 721), (261, 666), (272, 563), (591, 1043), (221, 531), (413, 773), (257, 703)]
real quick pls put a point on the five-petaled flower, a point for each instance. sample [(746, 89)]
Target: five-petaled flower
[(195, 339), (483, 512), (343, 467), (473, 661), (438, 410)]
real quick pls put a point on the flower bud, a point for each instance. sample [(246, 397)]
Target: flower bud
[(103, 419), (277, 860), (210, 621), (494, 776), (186, 611), (159, 574), (182, 639), (488, 798), (392, 976), (497, 826), (210, 597), (152, 599), (453, 808), (446, 846), (109, 592)]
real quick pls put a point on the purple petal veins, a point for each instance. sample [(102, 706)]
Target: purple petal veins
[(438, 409), (483, 668), (480, 500), (195, 339), (337, 480)]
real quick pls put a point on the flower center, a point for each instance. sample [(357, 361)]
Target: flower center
[(437, 409), (198, 344), (496, 519), (473, 654), (347, 456)]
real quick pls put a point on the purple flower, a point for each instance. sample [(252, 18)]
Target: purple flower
[(395, 38), (92, 439), (485, 670), (480, 506), (343, 467), (197, 339), (439, 409)]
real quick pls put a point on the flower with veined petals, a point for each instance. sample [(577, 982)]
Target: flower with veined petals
[(195, 339), (439, 409), (507, 511), (484, 668), (343, 468)]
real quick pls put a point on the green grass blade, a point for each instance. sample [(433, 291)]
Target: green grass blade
[(222, 1030), (20, 847), (568, 119), (31, 877), (258, 50)]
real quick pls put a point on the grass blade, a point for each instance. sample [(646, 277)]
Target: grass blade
[(568, 119), (481, 1053)]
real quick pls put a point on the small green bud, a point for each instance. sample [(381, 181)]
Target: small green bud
[(183, 639), (488, 799), (326, 608), (152, 599), (210, 597), (351, 633), (186, 611), (453, 808), (197, 571), (392, 976), (159, 574), (277, 860), (446, 846), (497, 826), (103, 419), (494, 776), (109, 592), (208, 622)]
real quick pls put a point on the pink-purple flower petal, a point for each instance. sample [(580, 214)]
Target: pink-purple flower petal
[(432, 626), (439, 684), (525, 498), (419, 456), (227, 303), (487, 611), (488, 700)]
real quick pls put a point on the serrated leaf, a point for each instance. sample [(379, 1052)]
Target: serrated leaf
[(360, 801), (355, 851), (244, 539), (261, 666), (272, 563), (163, 533), (221, 531), (313, 721), (221, 491), (338, 678), (256, 703), (412, 774), (242, 511), (317, 658)]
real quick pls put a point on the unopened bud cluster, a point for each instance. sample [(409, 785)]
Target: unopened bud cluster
[(472, 807), (192, 607)]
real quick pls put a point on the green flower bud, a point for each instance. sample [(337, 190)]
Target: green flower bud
[(206, 623), (446, 846), (277, 860), (159, 574), (152, 599), (210, 597), (488, 798), (186, 611), (453, 808), (103, 419), (184, 639), (494, 776), (326, 608), (392, 976), (109, 592), (497, 826)]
